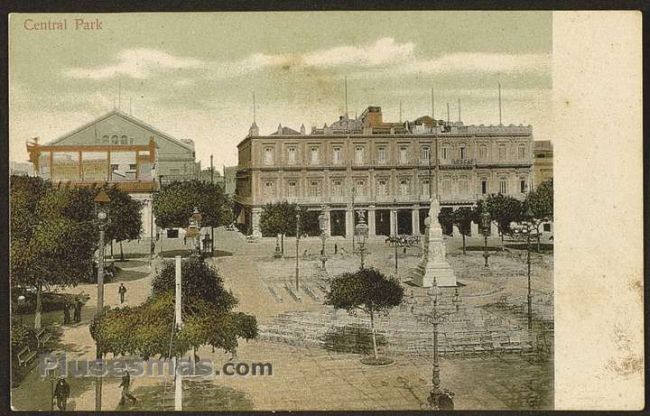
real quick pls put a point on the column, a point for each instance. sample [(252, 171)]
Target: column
[(371, 221), (393, 222), (415, 220), (349, 222), (257, 212)]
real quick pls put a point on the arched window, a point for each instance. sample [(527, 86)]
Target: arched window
[(124, 140), (105, 139), (114, 139), (131, 140)]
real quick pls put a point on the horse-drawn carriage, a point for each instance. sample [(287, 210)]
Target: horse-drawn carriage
[(403, 240)]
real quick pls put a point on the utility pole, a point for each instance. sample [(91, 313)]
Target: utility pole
[(101, 202), (353, 193), (500, 123), (178, 319)]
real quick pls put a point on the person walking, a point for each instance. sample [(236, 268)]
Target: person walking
[(66, 312), (126, 385), (122, 292), (78, 303), (62, 392)]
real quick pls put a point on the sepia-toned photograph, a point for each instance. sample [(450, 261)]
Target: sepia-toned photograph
[(279, 211)]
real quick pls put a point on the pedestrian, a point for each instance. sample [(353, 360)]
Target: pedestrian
[(122, 292), (66, 312), (62, 392), (336, 248), (126, 385), (78, 303), (185, 240)]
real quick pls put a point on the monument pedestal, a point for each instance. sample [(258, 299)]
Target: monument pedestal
[(433, 265)]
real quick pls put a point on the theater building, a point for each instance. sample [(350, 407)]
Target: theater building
[(387, 169), (116, 149)]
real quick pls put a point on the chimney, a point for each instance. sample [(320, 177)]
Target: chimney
[(280, 128), (302, 129)]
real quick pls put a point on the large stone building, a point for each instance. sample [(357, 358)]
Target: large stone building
[(387, 169), (542, 162), (115, 148)]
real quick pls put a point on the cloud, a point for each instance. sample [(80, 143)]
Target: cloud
[(136, 63), (479, 62)]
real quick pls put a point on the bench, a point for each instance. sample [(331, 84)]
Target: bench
[(42, 336), (25, 356)]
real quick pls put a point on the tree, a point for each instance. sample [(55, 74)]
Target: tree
[(540, 202), (446, 220), (368, 290), (126, 220), (53, 237), (462, 218), (503, 209), (278, 218), (207, 317), (174, 204)]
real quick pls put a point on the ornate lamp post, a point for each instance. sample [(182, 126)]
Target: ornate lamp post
[(439, 399), (361, 233), (526, 228), (486, 220), (278, 253), (322, 222), (101, 208), (207, 245)]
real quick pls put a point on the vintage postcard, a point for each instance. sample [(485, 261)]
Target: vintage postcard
[(335, 211)]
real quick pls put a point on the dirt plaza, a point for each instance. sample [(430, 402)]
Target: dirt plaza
[(311, 373)]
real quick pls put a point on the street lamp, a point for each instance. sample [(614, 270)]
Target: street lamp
[(101, 208), (194, 230), (439, 399), (486, 221), (322, 222), (526, 228), (361, 233), (207, 245)]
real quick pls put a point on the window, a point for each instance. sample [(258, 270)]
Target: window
[(314, 158), (381, 154), (268, 188), (131, 140), (114, 167), (314, 188), (446, 186), (337, 187), (358, 155), (336, 155), (503, 186), (403, 155), (114, 139), (291, 155), (133, 167), (547, 227), (462, 186), (521, 152), (424, 184), (445, 153), (522, 186), (463, 152), (502, 152), (482, 152), (124, 140), (484, 186), (404, 187), (268, 155), (382, 187), (105, 139), (360, 187), (425, 154), (292, 188)]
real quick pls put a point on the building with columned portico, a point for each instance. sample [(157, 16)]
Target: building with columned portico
[(387, 169)]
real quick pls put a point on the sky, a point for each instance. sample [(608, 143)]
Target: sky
[(193, 75)]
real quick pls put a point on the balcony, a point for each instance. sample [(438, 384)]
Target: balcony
[(457, 164)]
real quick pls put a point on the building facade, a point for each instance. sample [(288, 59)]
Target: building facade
[(542, 162), (389, 170), (115, 149)]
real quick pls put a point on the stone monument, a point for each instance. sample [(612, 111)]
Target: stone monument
[(433, 264)]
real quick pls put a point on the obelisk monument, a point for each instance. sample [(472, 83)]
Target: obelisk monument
[(433, 264)]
